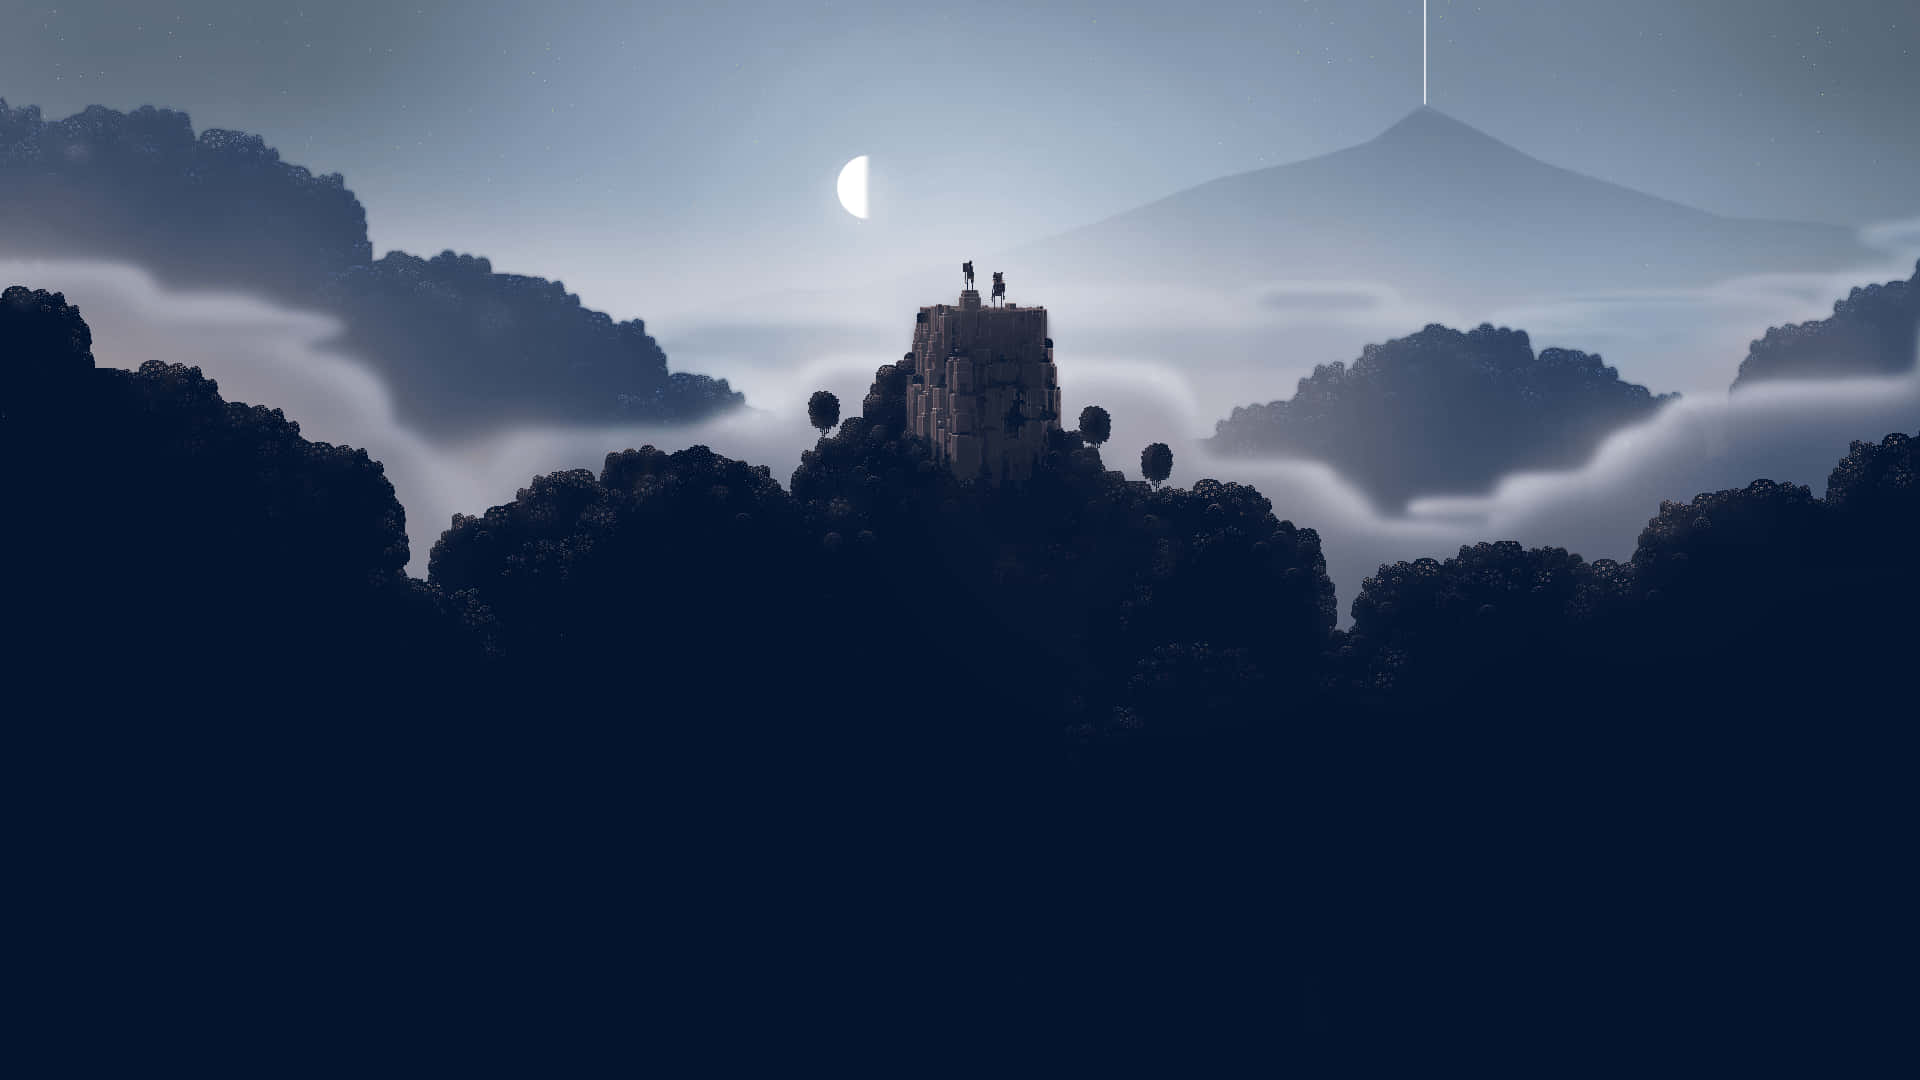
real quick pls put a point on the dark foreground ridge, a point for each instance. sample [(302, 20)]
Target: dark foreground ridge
[(671, 764), (1444, 412), (462, 348)]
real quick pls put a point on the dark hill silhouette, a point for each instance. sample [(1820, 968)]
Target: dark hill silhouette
[(903, 754), (1436, 208), (848, 562), (1739, 583), (1749, 670), (179, 530), (221, 209), (474, 349), (462, 347), (1874, 330), (1442, 411)]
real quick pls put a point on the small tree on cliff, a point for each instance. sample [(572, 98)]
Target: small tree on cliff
[(1156, 463), (1095, 425), (823, 410)]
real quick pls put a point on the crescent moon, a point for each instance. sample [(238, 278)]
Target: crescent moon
[(853, 187)]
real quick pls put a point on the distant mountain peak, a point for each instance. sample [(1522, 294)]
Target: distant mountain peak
[(1429, 125), (1435, 207)]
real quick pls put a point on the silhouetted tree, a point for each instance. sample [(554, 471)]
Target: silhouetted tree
[(1095, 425), (1156, 463), (823, 411)]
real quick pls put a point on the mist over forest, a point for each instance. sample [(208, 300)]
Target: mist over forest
[(1704, 442), (1529, 692), (459, 347)]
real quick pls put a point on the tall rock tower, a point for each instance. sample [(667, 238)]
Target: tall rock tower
[(982, 388)]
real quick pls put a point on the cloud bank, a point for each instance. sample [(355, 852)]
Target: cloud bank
[(265, 354)]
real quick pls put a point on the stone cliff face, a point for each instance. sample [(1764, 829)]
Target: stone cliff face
[(982, 387)]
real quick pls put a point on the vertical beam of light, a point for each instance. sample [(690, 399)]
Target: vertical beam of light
[(1423, 52)]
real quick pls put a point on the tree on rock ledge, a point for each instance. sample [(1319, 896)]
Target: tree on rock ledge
[(1096, 426)]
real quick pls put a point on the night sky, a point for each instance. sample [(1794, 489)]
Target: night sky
[(656, 156)]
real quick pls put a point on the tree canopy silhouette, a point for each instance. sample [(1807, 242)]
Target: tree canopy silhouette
[(1874, 330), (465, 347), (673, 720), (219, 532), (1747, 584), (823, 410), (1442, 411), (462, 347), (1096, 426), (1156, 463)]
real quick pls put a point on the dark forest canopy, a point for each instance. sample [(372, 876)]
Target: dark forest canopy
[(1723, 597), (1443, 412), (871, 540), (876, 551), (481, 348), (674, 740), (462, 347), (1874, 330), (171, 531)]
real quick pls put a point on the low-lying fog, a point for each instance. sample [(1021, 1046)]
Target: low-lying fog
[(1165, 383)]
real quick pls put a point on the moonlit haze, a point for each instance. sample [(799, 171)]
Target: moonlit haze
[(262, 353), (691, 168), (668, 162), (1372, 538)]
